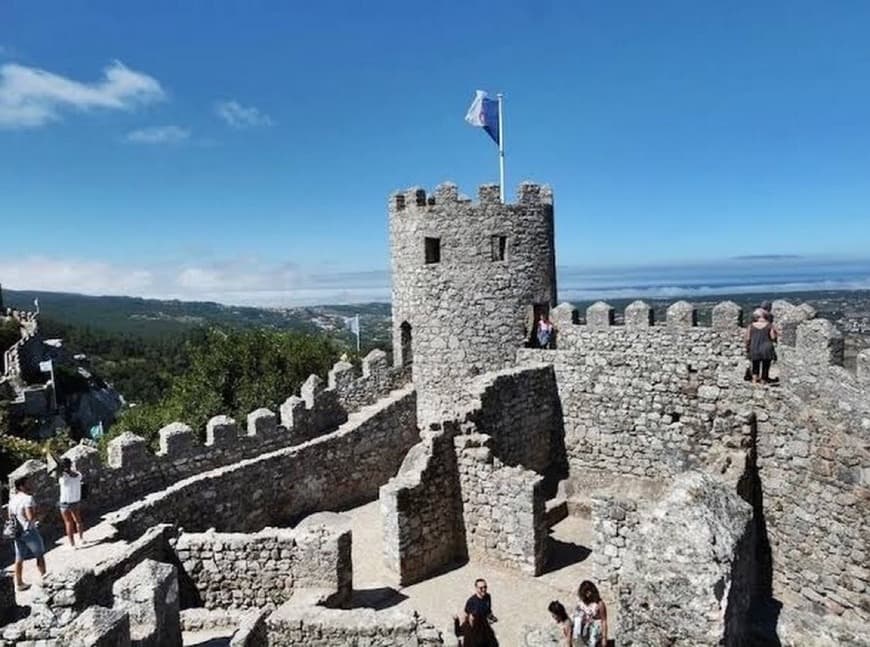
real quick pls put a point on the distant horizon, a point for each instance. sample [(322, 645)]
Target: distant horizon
[(770, 274)]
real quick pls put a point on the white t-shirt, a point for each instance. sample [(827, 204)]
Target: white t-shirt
[(18, 503), (70, 488)]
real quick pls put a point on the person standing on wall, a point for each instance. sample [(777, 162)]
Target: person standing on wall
[(759, 339), (28, 543), (70, 483)]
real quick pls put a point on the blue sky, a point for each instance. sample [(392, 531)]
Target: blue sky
[(243, 151)]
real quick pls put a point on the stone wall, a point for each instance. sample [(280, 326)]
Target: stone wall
[(420, 509), (639, 400), (503, 508), (234, 570), (304, 622), (434, 513), (132, 471), (677, 575), (643, 403), (465, 312), (520, 410), (332, 472)]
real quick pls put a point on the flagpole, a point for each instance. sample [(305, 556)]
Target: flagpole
[(357, 333), (500, 97)]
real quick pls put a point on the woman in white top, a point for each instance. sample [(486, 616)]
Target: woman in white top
[(590, 617), (70, 501), (28, 544)]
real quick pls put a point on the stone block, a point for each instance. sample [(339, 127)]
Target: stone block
[(98, 627), (311, 388), (862, 364), (446, 192), (682, 314), (221, 431), (262, 422), (727, 315), (819, 342), (488, 194), (292, 411), (375, 363), (127, 450), (639, 314), (176, 438), (341, 375), (149, 594), (563, 315), (599, 315)]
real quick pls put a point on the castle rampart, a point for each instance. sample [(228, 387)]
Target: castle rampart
[(467, 278), (334, 471), (133, 471), (644, 402)]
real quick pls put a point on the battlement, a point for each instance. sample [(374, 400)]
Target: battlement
[(447, 193), (132, 470)]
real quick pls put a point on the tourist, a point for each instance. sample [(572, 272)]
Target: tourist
[(759, 339), (70, 501), (545, 332), (590, 617), (557, 610), (479, 618), (28, 545)]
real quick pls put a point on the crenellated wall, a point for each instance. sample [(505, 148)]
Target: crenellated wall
[(334, 471), (644, 402), (132, 470)]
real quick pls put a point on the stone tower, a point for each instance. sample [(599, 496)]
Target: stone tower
[(467, 279)]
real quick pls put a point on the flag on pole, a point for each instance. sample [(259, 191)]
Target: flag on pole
[(483, 113), (45, 366), (353, 324)]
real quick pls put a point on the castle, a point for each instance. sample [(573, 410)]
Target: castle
[(713, 506)]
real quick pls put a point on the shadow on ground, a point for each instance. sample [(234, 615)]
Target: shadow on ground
[(564, 553), (379, 598)]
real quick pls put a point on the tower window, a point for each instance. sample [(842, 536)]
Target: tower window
[(499, 247), (433, 250)]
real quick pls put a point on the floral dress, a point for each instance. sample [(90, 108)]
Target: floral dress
[(587, 625)]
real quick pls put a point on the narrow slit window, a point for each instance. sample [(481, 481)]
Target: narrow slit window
[(499, 247), (433, 250)]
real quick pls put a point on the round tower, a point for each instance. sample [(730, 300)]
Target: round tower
[(468, 279)]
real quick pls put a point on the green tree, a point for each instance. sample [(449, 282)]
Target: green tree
[(233, 373), (8, 333)]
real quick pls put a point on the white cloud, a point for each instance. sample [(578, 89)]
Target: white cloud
[(232, 281), (159, 135), (30, 97), (238, 116)]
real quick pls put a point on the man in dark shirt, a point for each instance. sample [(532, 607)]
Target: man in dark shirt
[(478, 616)]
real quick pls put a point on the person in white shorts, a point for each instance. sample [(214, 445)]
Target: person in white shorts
[(28, 544)]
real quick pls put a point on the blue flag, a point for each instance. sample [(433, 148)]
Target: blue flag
[(483, 113)]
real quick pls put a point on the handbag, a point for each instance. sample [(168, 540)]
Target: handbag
[(12, 528)]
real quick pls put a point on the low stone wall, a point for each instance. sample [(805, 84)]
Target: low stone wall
[(614, 522), (503, 508), (420, 509), (303, 622), (234, 570), (332, 472)]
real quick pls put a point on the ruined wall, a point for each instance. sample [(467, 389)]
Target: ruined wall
[(520, 410), (466, 311), (336, 471), (305, 622), (132, 470), (431, 510), (234, 570), (420, 509), (503, 507)]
